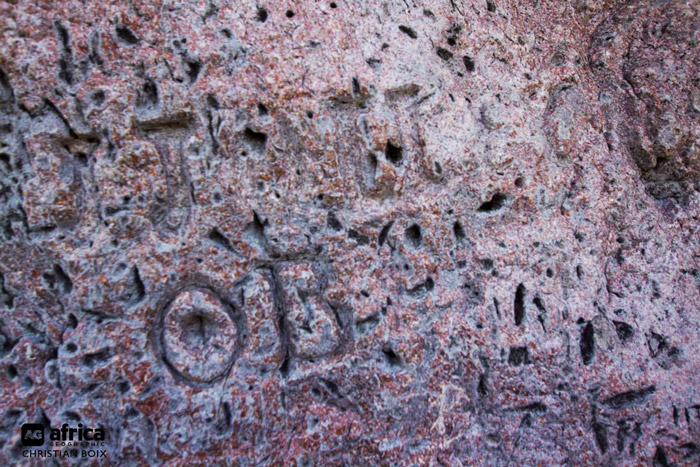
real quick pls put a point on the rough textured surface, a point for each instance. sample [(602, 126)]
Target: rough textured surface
[(353, 232)]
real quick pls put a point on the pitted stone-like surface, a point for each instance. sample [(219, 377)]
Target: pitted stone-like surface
[(199, 335), (647, 61), (313, 327), (352, 232)]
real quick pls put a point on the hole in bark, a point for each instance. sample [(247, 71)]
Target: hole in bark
[(601, 436), (496, 202), (519, 356), (358, 237), (458, 231), (444, 54), (285, 366), (138, 289), (256, 140), (98, 97), (391, 357), (408, 31), (587, 344), (414, 237), (124, 387), (371, 166), (256, 231), (126, 35), (333, 222), (539, 304), (660, 458), (384, 233), (192, 68), (393, 154), (212, 101), (519, 305), (483, 388), (72, 321), (624, 331), (356, 88), (58, 280), (469, 63), (219, 239), (98, 358), (149, 96)]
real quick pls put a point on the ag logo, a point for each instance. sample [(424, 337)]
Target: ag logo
[(32, 434)]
